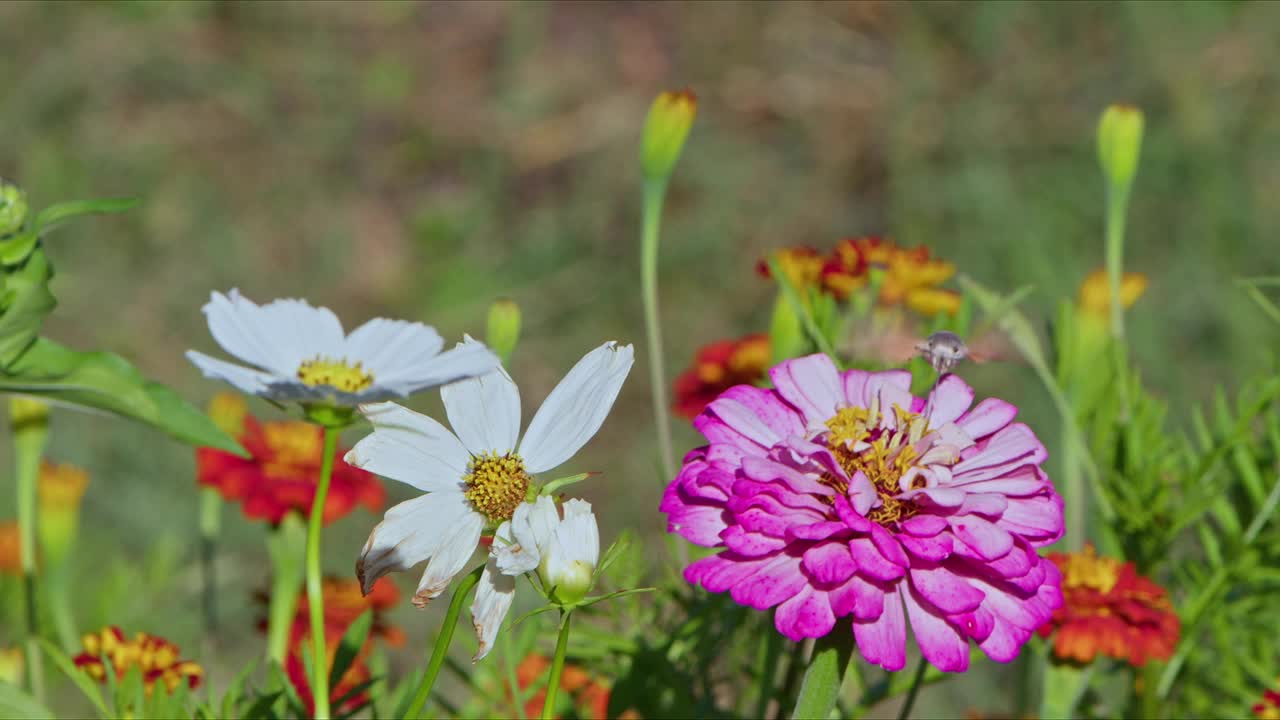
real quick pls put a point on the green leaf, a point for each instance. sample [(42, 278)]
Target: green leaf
[(236, 690), (59, 212), (77, 676), (1064, 685), (349, 647), (105, 381), (261, 707), (17, 248), (24, 302), (16, 704)]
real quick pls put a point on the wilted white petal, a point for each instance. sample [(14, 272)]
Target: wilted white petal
[(412, 532), (484, 411), (244, 379), (410, 447), (463, 534), (576, 408), (490, 606), (515, 550)]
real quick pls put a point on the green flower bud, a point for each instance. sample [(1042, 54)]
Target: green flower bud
[(665, 130), (503, 330), (1119, 143), (13, 208)]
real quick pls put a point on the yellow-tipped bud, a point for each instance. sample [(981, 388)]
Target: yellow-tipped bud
[(25, 411), (665, 130), (1119, 143), (12, 666), (13, 208), (60, 489), (503, 329), (1095, 293)]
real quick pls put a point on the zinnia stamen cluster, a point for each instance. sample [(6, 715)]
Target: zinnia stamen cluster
[(839, 494), (1109, 608), (718, 367), (157, 658)]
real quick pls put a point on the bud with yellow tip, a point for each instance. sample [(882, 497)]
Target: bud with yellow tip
[(12, 666), (1119, 144), (665, 130), (59, 489), (502, 331), (1095, 295)]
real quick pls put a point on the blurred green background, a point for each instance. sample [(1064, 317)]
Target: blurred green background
[(420, 160)]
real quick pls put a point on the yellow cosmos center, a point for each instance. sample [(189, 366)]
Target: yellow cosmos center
[(496, 484), (293, 448), (1085, 569), (339, 374), (883, 455)]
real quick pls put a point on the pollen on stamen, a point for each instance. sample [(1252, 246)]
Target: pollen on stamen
[(886, 455), (339, 374), (496, 485)]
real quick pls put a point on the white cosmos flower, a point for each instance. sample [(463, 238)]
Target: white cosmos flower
[(479, 474), (300, 353), (565, 553)]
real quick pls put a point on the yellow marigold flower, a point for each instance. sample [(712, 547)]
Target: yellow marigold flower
[(930, 301), (154, 656), (1095, 295), (12, 665), (61, 486), (10, 548)]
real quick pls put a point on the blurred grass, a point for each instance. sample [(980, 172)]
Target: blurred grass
[(420, 160)]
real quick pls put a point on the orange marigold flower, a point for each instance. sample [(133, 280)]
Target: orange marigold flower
[(1108, 608), (589, 694), (1095, 292), (718, 367), (10, 548), (343, 604), (61, 486), (156, 657), (281, 473), (802, 265), (1269, 708)]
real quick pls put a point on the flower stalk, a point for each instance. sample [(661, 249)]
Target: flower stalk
[(916, 681), (654, 194), (286, 546), (820, 687), (441, 648), (210, 526), (315, 596), (557, 665), (30, 435)]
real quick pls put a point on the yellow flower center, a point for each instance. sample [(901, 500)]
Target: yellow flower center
[(496, 484), (339, 374), (1085, 569), (294, 448), (884, 455)]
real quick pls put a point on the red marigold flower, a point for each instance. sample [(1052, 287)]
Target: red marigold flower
[(1269, 708), (343, 604), (590, 695), (281, 473), (1109, 608), (718, 367), (156, 657), (10, 548)]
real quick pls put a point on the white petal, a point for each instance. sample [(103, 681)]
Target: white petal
[(515, 550), (543, 521), (238, 325), (411, 532), (244, 379), (308, 331), (576, 408), (468, 359), (490, 606), (410, 447), (579, 533), (484, 411), (389, 347), (463, 535)]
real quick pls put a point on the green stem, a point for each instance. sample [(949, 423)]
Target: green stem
[(654, 192), (821, 685), (315, 597), (30, 434), (286, 546), (210, 524), (557, 666), (1073, 484), (441, 649), (1117, 204), (910, 702)]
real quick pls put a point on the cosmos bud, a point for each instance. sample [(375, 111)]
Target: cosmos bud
[(503, 330), (665, 130), (1119, 143)]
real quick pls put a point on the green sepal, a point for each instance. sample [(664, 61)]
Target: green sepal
[(24, 303)]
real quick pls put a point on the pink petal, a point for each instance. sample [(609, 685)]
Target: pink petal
[(888, 546), (1037, 518), (850, 517), (989, 504), (807, 614), (750, 544), (989, 416), (988, 540), (871, 563), (924, 525), (766, 470), (939, 497), (1004, 642), (718, 573), (949, 399), (728, 421), (932, 549), (883, 641), (855, 386), (769, 407), (1016, 482), (811, 384), (698, 523), (778, 580), (945, 590), (974, 625), (864, 600), (940, 643), (817, 531), (1013, 444), (829, 563)]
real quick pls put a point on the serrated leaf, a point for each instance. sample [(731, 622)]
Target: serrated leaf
[(106, 381), (59, 212), (18, 705)]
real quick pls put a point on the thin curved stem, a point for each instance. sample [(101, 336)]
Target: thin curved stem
[(910, 702), (557, 667), (441, 649), (654, 192), (315, 598)]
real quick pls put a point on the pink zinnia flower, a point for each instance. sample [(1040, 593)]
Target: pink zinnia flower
[(842, 494)]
